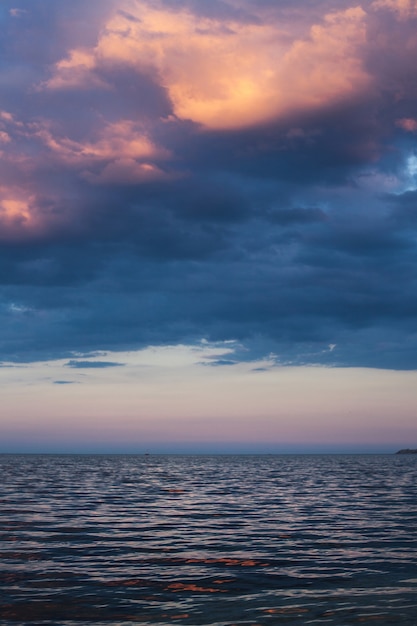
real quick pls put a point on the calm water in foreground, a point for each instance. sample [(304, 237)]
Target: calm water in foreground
[(208, 540)]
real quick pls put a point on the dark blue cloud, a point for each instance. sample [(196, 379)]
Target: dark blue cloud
[(92, 364), (281, 236), (219, 362)]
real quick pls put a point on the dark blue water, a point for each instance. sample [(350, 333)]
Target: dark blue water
[(208, 540)]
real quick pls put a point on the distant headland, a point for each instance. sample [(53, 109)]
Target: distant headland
[(406, 451)]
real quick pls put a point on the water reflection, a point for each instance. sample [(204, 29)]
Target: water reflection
[(208, 540)]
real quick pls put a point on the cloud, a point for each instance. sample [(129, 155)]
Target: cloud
[(92, 364), (17, 12), (126, 171), (226, 73), (225, 170), (403, 9), (408, 124), (75, 72), (4, 137), (213, 362), (122, 151), (18, 211)]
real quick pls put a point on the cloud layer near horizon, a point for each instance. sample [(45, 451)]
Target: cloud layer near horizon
[(225, 170)]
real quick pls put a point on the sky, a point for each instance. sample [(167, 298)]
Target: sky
[(208, 225)]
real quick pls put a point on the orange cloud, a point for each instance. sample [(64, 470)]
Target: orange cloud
[(327, 66), (15, 209), (227, 74)]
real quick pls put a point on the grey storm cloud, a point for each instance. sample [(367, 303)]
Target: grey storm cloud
[(126, 222)]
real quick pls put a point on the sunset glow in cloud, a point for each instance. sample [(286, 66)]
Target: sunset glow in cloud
[(121, 151), (18, 212), (224, 73)]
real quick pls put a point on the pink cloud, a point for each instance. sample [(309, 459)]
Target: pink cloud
[(121, 139), (17, 12), (404, 9), (121, 151), (4, 115), (4, 137), (19, 212), (75, 72), (126, 171), (225, 73), (407, 123)]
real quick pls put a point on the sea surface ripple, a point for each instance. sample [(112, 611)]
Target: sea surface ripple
[(208, 540)]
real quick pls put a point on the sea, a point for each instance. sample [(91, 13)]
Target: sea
[(208, 540)]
